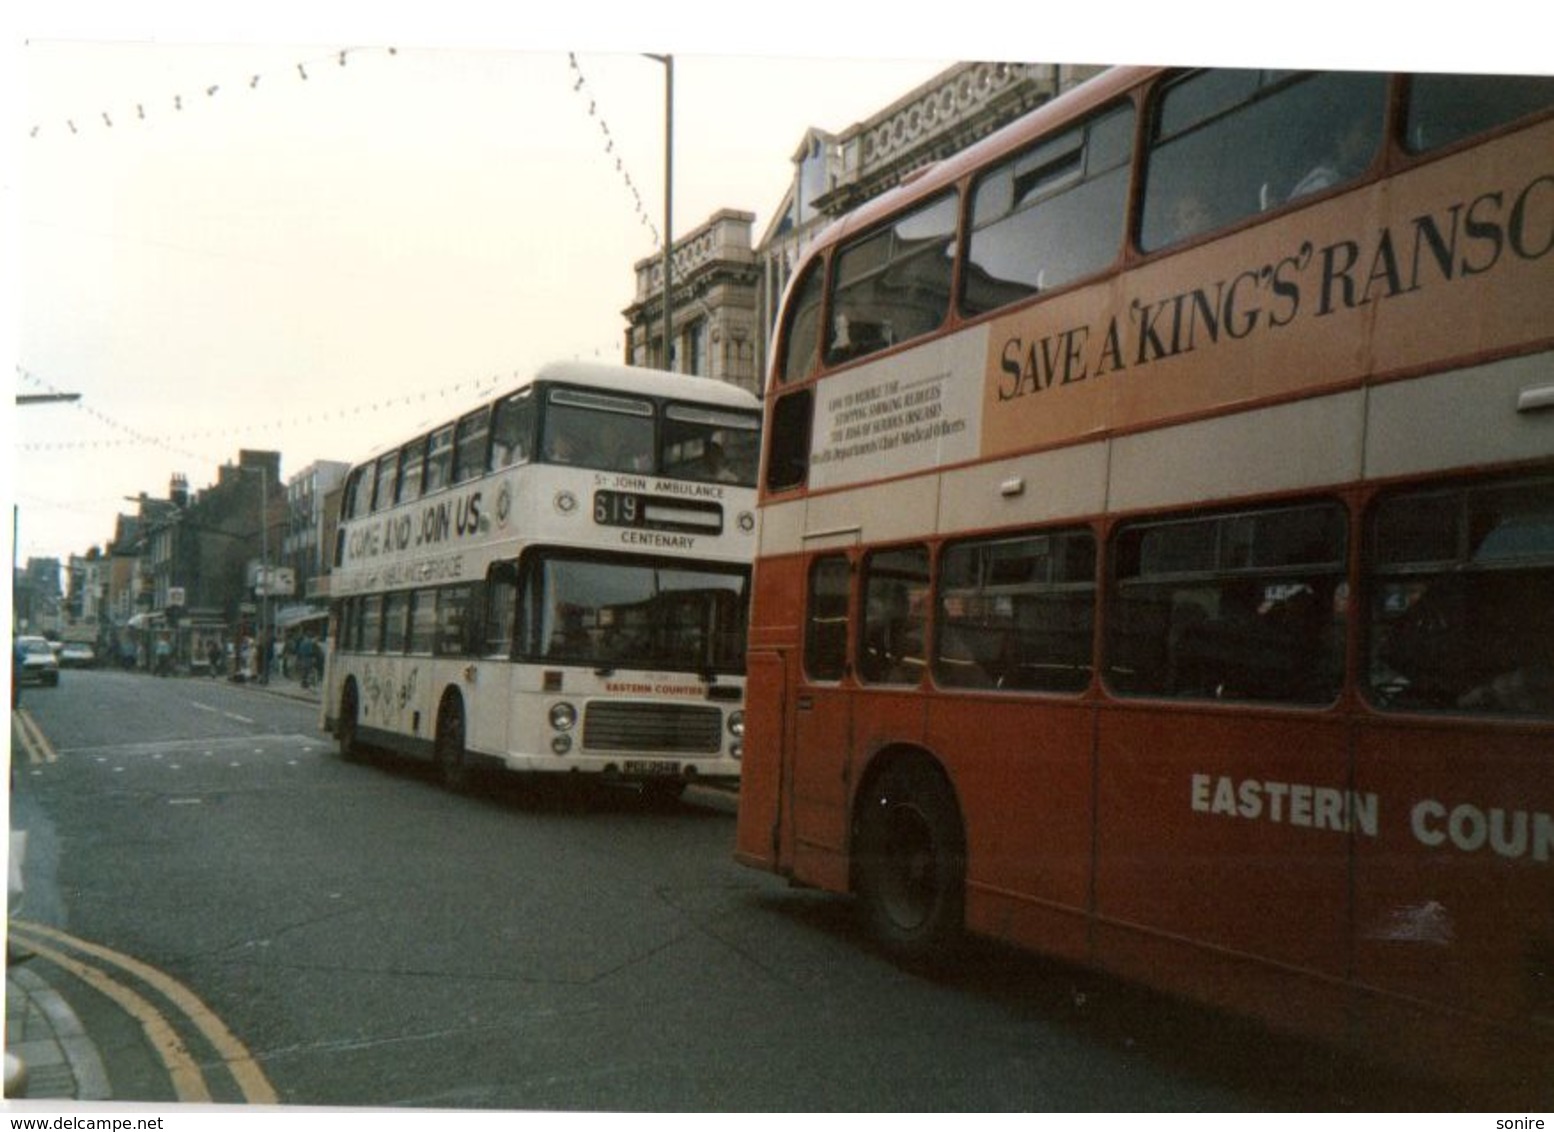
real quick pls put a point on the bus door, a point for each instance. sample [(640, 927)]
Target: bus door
[(1225, 814), (815, 802), (764, 835), (493, 708), (891, 653)]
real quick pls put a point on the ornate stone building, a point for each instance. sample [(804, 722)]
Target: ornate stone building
[(713, 306), (726, 292)]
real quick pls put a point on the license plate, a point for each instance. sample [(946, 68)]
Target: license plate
[(651, 766)]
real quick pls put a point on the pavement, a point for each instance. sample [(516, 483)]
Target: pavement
[(50, 1052)]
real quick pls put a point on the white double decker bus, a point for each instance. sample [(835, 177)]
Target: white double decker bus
[(555, 581)]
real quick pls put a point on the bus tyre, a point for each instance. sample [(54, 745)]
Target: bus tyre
[(345, 729), (451, 761), (911, 864)]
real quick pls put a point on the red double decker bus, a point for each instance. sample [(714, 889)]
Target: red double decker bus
[(1156, 564)]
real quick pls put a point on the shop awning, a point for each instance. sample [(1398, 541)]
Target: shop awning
[(295, 615)]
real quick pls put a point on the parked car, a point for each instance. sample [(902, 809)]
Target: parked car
[(34, 661), (77, 654)]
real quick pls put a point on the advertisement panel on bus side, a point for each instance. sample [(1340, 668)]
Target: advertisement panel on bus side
[(1351, 288)]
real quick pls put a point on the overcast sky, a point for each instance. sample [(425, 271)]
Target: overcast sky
[(227, 237)]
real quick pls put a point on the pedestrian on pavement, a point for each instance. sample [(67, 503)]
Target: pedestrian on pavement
[(307, 656)]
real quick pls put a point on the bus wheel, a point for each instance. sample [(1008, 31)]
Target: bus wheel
[(345, 729), (911, 863), (451, 762)]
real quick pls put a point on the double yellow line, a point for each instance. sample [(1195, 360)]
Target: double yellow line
[(111, 974), (30, 737)]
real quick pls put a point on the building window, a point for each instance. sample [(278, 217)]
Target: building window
[(696, 348)]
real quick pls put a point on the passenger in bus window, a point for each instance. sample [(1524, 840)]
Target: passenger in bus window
[(1528, 691), (508, 448), (563, 448), (617, 453), (1345, 157), (512, 426), (1189, 215), (856, 338), (717, 468)]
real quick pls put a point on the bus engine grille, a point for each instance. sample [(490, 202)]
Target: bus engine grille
[(653, 728)]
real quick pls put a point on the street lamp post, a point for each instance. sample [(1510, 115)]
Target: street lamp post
[(262, 586), (668, 62), (264, 573)]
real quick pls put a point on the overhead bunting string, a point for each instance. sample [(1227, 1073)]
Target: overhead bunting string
[(81, 405), (580, 88), (146, 108), (472, 389)]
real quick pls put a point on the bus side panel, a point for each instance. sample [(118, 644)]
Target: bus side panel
[(1454, 896), (801, 738), (1228, 828), (1212, 878), (759, 839), (1024, 774), (393, 696), (486, 707), (822, 740), (1496, 300)]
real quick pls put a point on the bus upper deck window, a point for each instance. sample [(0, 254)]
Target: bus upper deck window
[(1051, 214), (412, 461), (788, 461), (1443, 109), (711, 445), (386, 483), (801, 332), (893, 284), (596, 430), (512, 431), (439, 460), (1228, 144), (472, 443)]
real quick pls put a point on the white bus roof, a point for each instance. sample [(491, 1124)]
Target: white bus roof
[(651, 382), (602, 375)]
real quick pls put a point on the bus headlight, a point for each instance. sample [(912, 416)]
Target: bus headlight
[(736, 724), (561, 744), (563, 717)]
